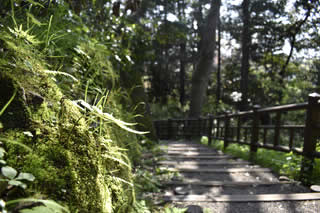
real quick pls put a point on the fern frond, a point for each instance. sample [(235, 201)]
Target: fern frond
[(122, 180), (53, 72)]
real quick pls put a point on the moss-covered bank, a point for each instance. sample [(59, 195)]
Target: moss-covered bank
[(77, 158)]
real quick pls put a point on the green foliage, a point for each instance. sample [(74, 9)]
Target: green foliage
[(45, 206), (172, 109), (147, 181), (141, 207), (175, 210), (11, 177), (283, 163), (8, 103), (82, 151)]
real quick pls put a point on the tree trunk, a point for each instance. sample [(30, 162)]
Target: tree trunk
[(182, 6), (218, 90), (317, 68), (182, 72), (246, 40), (294, 30), (204, 66)]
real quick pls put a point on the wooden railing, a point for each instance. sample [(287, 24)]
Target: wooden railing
[(280, 133)]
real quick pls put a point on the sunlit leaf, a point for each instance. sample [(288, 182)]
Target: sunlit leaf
[(34, 20), (51, 205), (40, 209), (25, 176), (9, 172), (2, 151), (27, 133), (35, 3), (60, 73), (17, 183)]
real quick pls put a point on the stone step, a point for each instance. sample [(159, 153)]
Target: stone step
[(188, 149), (206, 175), (181, 156), (244, 198), (204, 163), (226, 183), (234, 189), (237, 176), (217, 170), (209, 166), (193, 153), (180, 145)]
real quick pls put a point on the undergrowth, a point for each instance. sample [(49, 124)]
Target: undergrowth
[(282, 163), (69, 109)]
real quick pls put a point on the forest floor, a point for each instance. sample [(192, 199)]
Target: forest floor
[(221, 183)]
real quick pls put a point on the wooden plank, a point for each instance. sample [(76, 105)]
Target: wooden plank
[(191, 153), (184, 145), (227, 183), (190, 150), (204, 163), (231, 170), (198, 157), (245, 198), (197, 167), (187, 149)]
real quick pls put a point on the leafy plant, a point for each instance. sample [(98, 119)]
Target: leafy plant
[(97, 112), (174, 210), (47, 206), (147, 181), (12, 177), (141, 207)]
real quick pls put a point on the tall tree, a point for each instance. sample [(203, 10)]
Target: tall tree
[(181, 6), (204, 66), (246, 40), (218, 88)]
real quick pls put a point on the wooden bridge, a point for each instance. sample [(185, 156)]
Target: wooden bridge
[(209, 176)]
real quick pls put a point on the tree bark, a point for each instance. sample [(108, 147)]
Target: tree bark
[(182, 6), (182, 72), (204, 66), (246, 41), (218, 90)]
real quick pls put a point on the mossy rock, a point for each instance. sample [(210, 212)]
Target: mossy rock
[(17, 115), (69, 163)]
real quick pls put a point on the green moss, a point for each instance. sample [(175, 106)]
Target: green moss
[(83, 166), (90, 173)]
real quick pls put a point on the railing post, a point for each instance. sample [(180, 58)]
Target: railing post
[(156, 125), (226, 130), (169, 128), (210, 120), (238, 128), (199, 126), (254, 132), (311, 133), (184, 128), (218, 133), (276, 139)]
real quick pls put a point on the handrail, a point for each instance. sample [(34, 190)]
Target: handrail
[(288, 107), (247, 128)]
